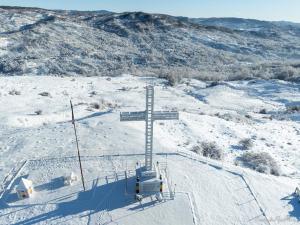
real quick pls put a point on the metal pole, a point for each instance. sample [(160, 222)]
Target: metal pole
[(73, 122)]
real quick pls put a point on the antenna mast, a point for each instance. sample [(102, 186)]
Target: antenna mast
[(73, 122)]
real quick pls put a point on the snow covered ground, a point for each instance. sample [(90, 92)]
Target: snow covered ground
[(207, 192)]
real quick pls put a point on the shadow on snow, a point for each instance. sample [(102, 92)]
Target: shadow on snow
[(106, 198), (294, 202), (89, 202)]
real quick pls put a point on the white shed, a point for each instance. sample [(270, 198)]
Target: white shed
[(71, 179), (24, 188)]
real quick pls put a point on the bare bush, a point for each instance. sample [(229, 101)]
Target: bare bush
[(231, 117), (14, 92), (124, 89), (173, 77), (263, 111), (293, 109), (196, 148), (95, 105), (248, 116), (225, 116), (246, 143), (208, 149), (211, 150), (65, 93), (38, 112), (80, 103), (92, 93), (45, 94), (102, 104), (285, 72), (213, 84), (262, 162)]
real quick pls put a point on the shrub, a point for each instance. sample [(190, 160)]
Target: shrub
[(92, 93), (293, 109), (213, 84), (102, 104), (246, 143), (263, 111), (65, 93), (124, 89), (284, 72), (45, 94), (248, 116), (95, 105), (211, 150), (262, 162), (196, 149), (14, 92), (11, 65), (225, 116), (173, 77), (38, 112)]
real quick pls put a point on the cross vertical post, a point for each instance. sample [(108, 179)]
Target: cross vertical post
[(149, 116), (149, 127)]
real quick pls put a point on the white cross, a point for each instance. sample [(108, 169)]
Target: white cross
[(149, 115)]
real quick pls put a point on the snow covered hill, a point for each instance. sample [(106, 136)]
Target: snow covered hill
[(43, 42), (37, 142), (249, 127)]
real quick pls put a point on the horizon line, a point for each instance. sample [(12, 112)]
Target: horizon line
[(143, 11)]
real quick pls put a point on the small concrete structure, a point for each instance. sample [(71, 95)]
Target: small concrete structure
[(70, 180), (24, 188), (148, 182), (150, 186)]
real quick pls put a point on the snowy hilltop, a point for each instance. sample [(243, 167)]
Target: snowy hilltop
[(249, 129), (99, 43), (230, 154)]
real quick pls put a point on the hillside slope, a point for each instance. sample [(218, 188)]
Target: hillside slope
[(35, 127), (43, 42)]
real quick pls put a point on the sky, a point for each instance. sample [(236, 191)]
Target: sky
[(274, 10)]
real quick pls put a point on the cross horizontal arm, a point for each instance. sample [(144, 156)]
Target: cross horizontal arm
[(133, 116), (141, 116), (165, 115)]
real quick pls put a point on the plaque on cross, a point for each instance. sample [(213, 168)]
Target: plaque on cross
[(149, 115)]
